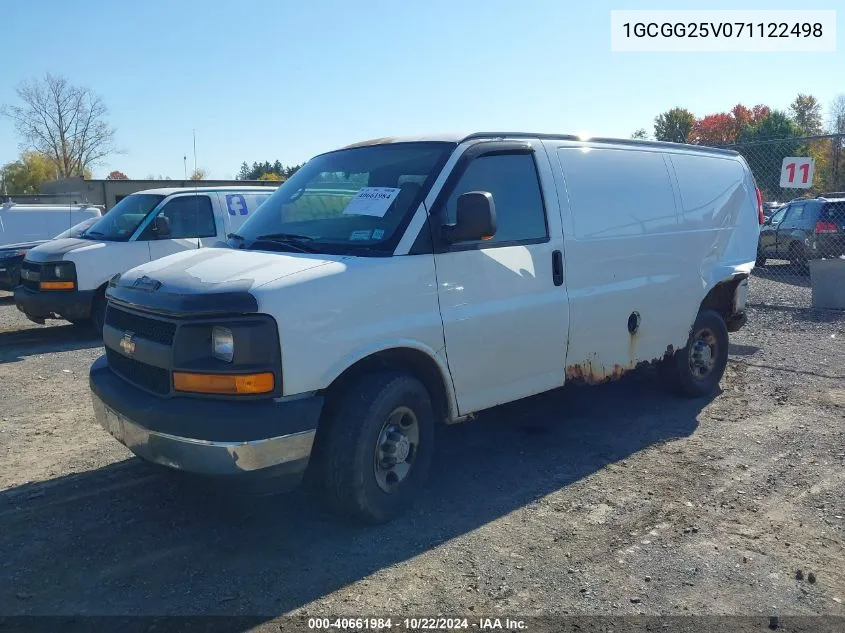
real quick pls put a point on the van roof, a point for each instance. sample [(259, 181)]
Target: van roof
[(460, 138), (48, 207), (166, 191)]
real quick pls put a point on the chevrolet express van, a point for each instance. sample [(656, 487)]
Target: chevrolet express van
[(66, 279), (400, 283), (11, 255)]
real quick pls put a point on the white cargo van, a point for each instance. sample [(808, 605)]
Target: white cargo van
[(32, 222), (395, 284), (67, 278)]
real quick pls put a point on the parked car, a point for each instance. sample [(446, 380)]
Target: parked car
[(67, 278), (33, 222), (447, 276), (802, 230), (11, 255)]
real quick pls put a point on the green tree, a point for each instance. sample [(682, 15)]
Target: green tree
[(26, 174), (806, 112), (198, 174), (641, 133), (837, 146), (257, 170), (674, 125), (765, 144)]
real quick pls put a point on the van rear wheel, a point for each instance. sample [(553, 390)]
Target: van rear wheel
[(696, 370), (373, 453)]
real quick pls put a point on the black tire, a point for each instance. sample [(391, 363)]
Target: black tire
[(347, 447), (797, 259), (683, 372), (98, 312)]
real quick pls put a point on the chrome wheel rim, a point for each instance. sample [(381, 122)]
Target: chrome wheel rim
[(703, 354), (396, 448)]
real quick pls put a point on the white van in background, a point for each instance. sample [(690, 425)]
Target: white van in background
[(66, 278), (33, 222), (451, 275)]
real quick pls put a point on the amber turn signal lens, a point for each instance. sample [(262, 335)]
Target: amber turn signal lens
[(229, 384), (56, 285)]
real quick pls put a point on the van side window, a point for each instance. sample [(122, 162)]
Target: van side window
[(190, 216), (512, 180)]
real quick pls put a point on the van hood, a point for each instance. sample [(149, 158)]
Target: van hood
[(211, 280), (55, 250)]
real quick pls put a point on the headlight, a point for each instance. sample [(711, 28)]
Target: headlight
[(60, 276), (222, 344)]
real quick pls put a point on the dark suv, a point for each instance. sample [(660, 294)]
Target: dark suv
[(804, 229)]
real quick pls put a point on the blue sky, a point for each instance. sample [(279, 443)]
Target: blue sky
[(287, 79)]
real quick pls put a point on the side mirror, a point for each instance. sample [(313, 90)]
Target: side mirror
[(161, 227), (476, 218)]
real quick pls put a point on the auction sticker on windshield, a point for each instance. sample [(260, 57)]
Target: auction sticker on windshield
[(374, 201)]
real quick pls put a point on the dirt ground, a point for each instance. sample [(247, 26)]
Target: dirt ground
[(610, 500)]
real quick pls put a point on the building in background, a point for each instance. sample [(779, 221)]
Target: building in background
[(108, 193)]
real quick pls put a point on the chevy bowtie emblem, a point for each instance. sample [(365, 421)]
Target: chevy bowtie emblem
[(127, 343), (147, 283)]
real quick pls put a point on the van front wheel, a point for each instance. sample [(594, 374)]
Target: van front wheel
[(374, 452), (696, 370)]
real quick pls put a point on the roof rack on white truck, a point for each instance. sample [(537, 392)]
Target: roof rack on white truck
[(398, 283)]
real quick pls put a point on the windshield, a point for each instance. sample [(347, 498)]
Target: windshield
[(356, 200), (120, 222), (77, 229)]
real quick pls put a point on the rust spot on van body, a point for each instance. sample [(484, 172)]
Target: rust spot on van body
[(593, 373)]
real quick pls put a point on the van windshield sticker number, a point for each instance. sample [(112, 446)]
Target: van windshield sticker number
[(236, 204), (796, 172), (374, 201)]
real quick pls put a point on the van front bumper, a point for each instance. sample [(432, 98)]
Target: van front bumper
[(74, 305), (259, 445)]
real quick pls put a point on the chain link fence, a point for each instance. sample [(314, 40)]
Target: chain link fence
[(805, 220)]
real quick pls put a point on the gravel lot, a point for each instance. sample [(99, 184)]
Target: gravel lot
[(609, 500)]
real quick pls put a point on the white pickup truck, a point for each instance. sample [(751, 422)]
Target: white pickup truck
[(399, 283)]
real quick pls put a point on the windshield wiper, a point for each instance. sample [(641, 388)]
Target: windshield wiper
[(291, 240), (285, 236), (91, 233)]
